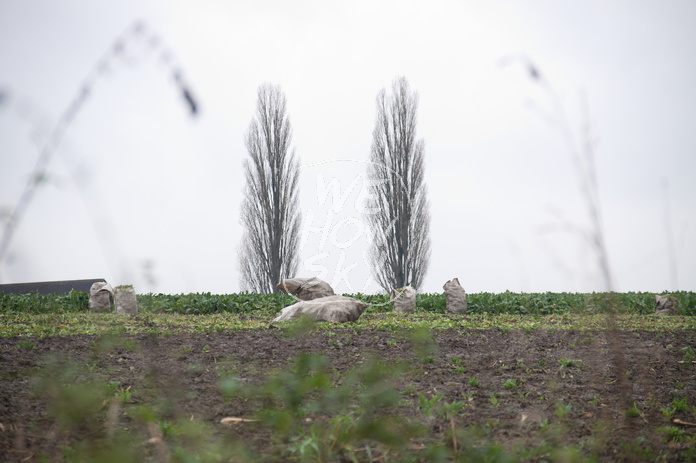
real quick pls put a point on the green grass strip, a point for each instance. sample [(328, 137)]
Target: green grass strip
[(254, 304), (164, 324)]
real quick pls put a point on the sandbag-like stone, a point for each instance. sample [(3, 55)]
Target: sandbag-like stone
[(306, 289), (335, 308), (125, 300), (403, 299), (455, 297), (100, 297), (666, 305)]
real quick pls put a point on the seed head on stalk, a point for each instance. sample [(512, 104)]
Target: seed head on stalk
[(114, 52)]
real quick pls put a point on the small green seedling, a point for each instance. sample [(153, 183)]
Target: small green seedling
[(680, 406), (633, 412), (26, 345), (427, 405), (671, 433), (568, 363), (668, 412), (510, 384), (410, 389), (562, 410), (450, 410), (124, 395)]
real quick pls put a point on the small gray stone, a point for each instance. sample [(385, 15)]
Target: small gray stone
[(100, 297), (125, 300), (339, 309), (666, 305), (403, 299), (455, 297), (306, 289)]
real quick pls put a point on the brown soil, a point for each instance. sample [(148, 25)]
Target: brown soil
[(187, 369)]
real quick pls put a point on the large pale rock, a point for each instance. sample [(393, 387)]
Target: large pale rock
[(306, 289), (124, 300), (335, 308), (666, 305), (455, 297), (403, 299), (100, 296)]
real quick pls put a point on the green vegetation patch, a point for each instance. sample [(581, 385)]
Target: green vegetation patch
[(66, 315), (268, 304), (162, 324)]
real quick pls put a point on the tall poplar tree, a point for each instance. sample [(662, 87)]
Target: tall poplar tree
[(270, 210), (400, 217)]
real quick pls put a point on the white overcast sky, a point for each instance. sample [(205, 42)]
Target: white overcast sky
[(140, 192)]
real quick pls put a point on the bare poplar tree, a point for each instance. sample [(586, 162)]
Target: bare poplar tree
[(270, 211), (399, 216)]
